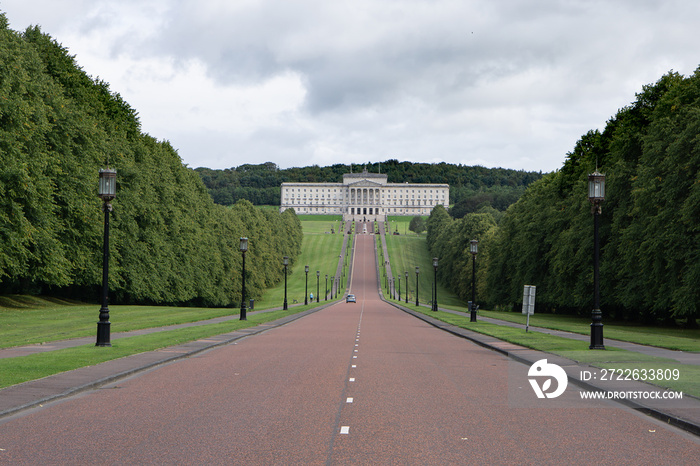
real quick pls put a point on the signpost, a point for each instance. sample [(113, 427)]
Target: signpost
[(528, 303)]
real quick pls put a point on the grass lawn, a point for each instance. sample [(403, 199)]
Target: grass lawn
[(689, 382), (46, 321), (35, 366), (405, 253), (320, 250)]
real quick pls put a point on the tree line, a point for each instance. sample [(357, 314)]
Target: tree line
[(170, 243), (650, 222), (471, 188)]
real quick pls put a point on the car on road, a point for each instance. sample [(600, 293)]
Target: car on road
[(350, 299)]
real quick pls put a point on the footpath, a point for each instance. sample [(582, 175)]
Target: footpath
[(36, 393)]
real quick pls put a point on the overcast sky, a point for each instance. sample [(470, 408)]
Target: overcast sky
[(498, 83)]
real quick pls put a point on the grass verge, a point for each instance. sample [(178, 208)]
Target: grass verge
[(689, 382), (35, 366)]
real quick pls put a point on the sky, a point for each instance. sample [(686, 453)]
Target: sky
[(496, 83)]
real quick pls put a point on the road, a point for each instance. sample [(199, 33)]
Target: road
[(359, 383)]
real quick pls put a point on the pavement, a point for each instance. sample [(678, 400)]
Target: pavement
[(28, 395)]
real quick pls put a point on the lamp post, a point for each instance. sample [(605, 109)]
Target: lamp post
[(473, 249), (107, 191), (417, 285), (406, 275), (318, 275), (285, 261), (596, 194), (243, 247), (333, 285), (326, 287), (399, 279), (435, 266)]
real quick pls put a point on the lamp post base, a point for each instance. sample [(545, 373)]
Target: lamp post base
[(472, 316), (597, 331), (103, 335)]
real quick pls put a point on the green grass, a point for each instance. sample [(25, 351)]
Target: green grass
[(407, 252), (47, 321), (664, 337), (320, 251), (576, 350), (25, 368)]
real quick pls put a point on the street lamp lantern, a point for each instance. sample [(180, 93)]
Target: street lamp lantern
[(596, 194), (306, 285), (244, 248), (285, 262), (473, 249), (107, 190), (108, 184), (596, 187)]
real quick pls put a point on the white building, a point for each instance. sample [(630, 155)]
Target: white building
[(364, 196)]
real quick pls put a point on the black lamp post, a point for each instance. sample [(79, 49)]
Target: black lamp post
[(435, 266), (473, 249), (596, 194), (399, 279), (243, 247), (318, 275), (417, 304), (326, 287), (406, 274), (306, 285), (107, 191), (285, 261), (333, 285)]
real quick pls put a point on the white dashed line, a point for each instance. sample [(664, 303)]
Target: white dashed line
[(354, 366), (352, 379), (345, 430), (354, 357), (349, 400)]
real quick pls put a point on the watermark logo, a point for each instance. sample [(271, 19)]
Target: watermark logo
[(543, 370)]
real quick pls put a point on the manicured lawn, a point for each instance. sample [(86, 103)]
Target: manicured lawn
[(320, 251), (665, 337), (25, 368), (405, 253), (47, 321), (689, 382)]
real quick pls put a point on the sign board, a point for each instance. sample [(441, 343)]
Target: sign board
[(529, 299), (528, 303)]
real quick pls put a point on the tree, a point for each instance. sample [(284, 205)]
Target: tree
[(417, 225)]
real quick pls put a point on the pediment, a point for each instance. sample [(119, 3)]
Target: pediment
[(365, 184)]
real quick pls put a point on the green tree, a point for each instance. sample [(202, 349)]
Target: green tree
[(417, 225)]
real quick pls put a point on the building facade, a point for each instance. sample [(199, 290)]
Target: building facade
[(364, 196)]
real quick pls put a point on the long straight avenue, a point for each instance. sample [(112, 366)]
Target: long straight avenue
[(355, 383)]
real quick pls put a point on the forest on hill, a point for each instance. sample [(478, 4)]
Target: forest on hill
[(471, 188), (650, 221), (170, 243)]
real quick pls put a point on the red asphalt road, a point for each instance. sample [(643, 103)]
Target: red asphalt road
[(352, 384)]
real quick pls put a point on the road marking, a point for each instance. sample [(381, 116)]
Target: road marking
[(349, 400), (352, 379), (345, 430), (356, 351), (354, 357), (354, 366)]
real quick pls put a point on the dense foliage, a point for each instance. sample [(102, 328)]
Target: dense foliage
[(169, 242), (650, 222), (471, 188)]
